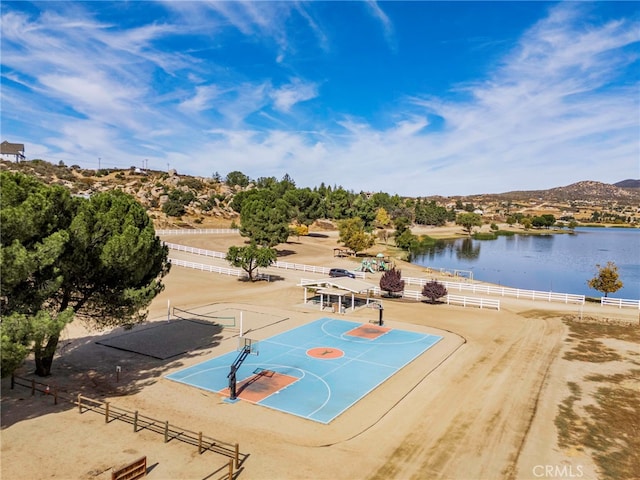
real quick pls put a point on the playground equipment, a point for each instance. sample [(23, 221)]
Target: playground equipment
[(366, 266), (372, 265)]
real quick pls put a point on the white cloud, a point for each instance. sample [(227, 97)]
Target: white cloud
[(550, 113), (387, 25), (202, 99), (297, 91)]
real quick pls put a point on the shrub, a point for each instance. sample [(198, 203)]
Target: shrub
[(192, 183), (434, 290), (484, 236), (173, 208), (391, 281)]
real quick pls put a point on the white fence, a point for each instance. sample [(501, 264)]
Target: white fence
[(620, 302), (502, 291), (201, 231), (301, 267), (450, 299), (417, 295), (284, 265), (473, 301), (234, 272), (196, 251)]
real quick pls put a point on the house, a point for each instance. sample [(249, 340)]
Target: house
[(13, 152)]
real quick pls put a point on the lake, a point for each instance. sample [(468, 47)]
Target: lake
[(557, 262)]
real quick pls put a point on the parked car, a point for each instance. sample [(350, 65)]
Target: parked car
[(341, 272)]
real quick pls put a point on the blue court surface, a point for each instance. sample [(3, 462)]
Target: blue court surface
[(334, 363)]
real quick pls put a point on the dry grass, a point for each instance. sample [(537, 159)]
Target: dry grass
[(570, 429), (608, 425), (588, 350)]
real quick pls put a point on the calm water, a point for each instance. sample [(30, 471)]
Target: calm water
[(556, 262)]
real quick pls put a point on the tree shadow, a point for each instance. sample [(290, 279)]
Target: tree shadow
[(107, 365)]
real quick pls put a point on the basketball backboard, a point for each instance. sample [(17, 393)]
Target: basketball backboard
[(248, 343)]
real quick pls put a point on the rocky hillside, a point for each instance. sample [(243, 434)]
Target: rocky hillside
[(586, 191), (206, 201)]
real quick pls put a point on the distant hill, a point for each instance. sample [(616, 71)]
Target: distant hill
[(585, 191), (629, 183), (211, 199)]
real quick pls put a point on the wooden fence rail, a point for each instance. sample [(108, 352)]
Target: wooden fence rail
[(139, 422), (43, 388), (143, 422)]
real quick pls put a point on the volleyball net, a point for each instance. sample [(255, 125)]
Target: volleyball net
[(227, 321)]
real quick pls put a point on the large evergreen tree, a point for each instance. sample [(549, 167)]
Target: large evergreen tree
[(265, 224), (62, 258)]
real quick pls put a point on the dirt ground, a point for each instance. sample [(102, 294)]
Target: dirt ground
[(479, 405)]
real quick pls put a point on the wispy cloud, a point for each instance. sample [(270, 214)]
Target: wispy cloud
[(294, 92), (89, 88), (385, 22)]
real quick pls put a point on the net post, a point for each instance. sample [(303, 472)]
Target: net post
[(166, 431), (230, 469), (237, 455), (106, 412), (135, 421), (199, 442), (79, 403)]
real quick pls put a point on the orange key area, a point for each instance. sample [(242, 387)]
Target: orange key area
[(261, 385), (368, 331)]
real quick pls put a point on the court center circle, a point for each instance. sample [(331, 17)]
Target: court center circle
[(325, 353)]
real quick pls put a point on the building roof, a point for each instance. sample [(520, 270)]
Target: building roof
[(347, 284), (12, 148)]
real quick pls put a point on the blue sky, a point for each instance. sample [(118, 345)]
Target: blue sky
[(414, 98)]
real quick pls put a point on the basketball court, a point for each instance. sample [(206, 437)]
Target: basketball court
[(316, 371)]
